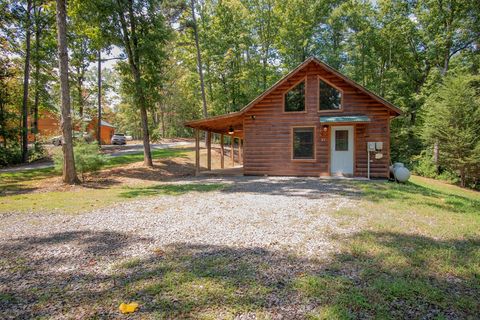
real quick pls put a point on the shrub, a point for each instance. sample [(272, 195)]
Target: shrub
[(10, 155), (423, 165), (37, 152), (87, 158), (156, 135)]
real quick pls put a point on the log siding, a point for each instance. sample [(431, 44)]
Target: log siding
[(268, 136)]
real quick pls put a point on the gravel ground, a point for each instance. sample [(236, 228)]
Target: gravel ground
[(79, 253)]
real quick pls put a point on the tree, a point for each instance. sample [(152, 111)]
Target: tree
[(26, 79), (199, 59), (454, 122), (137, 27), (69, 173)]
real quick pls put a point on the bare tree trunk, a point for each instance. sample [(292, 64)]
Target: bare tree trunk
[(200, 67), (26, 79), (199, 59), (99, 116), (69, 173), (36, 100), (131, 46), (162, 119), (80, 91)]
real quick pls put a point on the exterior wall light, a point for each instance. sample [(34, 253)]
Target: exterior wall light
[(230, 130)]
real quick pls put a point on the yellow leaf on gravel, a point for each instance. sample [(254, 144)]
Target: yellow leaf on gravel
[(128, 307)]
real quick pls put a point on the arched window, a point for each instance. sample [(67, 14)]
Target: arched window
[(330, 97), (295, 98)]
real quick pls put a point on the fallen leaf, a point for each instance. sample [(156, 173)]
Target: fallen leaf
[(128, 307)]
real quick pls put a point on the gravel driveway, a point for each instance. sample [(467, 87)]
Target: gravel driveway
[(50, 262)]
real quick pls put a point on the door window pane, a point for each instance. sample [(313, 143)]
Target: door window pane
[(341, 140), (295, 98), (303, 141)]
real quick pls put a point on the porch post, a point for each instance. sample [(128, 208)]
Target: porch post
[(240, 151), (222, 153), (209, 150), (232, 139), (197, 152)]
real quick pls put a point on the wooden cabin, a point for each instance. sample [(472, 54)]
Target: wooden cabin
[(313, 122), (106, 130), (49, 126)]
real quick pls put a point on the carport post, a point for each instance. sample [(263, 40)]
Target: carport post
[(209, 150), (240, 151), (222, 153), (197, 152), (232, 140)]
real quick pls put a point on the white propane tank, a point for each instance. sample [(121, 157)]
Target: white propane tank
[(400, 173)]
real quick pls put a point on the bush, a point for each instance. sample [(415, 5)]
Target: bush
[(87, 158), (10, 155), (37, 152), (424, 166), (156, 135)]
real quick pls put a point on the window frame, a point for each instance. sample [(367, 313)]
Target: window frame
[(319, 78), (336, 139), (303, 79), (292, 137)]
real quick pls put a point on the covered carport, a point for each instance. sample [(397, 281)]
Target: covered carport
[(230, 125)]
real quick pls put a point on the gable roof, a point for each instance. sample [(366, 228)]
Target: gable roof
[(325, 66), (233, 115)]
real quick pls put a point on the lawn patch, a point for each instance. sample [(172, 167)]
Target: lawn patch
[(112, 162)]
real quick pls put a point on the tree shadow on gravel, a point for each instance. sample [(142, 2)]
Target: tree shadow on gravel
[(83, 274), (308, 187)]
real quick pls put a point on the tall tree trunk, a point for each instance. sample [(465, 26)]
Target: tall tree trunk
[(36, 100), (69, 173), (2, 123), (200, 67), (99, 116), (131, 46), (162, 119), (26, 79), (80, 74), (38, 34), (199, 59)]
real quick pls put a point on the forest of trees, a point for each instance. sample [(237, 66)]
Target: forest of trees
[(186, 59)]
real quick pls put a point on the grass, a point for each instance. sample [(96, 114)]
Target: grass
[(417, 256), (88, 199), (111, 162), (21, 183)]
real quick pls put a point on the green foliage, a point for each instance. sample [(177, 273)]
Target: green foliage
[(87, 158), (10, 155), (454, 123), (37, 152)]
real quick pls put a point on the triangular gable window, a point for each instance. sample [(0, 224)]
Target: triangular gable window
[(295, 98), (330, 97)]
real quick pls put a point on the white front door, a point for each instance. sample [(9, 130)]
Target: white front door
[(341, 150)]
